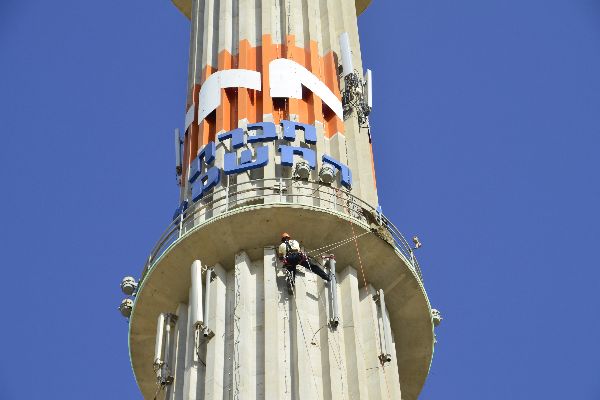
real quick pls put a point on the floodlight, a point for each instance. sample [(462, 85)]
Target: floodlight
[(436, 315), (302, 170), (129, 285), (327, 174), (126, 307), (417, 242)]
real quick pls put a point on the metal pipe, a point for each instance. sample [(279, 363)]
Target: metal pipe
[(196, 311), (206, 331), (196, 294), (181, 224), (334, 319), (387, 332), (160, 338), (178, 157), (162, 351), (227, 195), (164, 370)]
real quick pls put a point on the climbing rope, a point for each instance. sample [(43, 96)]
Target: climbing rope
[(336, 245), (285, 363), (158, 390)]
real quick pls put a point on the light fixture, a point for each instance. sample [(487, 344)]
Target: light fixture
[(126, 307), (436, 315), (417, 242), (302, 170), (129, 285), (327, 174)]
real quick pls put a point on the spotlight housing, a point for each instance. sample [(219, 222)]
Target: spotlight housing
[(129, 285), (327, 174), (436, 315), (417, 242), (126, 307), (302, 170)]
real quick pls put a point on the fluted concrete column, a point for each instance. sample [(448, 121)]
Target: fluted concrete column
[(215, 347), (351, 323), (269, 344)]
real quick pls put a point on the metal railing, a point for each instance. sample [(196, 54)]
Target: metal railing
[(281, 191)]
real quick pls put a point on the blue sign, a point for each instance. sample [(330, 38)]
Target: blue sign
[(204, 183)]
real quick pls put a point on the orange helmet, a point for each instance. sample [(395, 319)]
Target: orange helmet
[(285, 235)]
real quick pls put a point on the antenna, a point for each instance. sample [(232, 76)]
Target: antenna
[(348, 66), (369, 89), (178, 155)]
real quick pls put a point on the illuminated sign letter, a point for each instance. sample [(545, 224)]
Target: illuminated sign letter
[(237, 137), (345, 171), (231, 165), (206, 181), (269, 133), (287, 155), (289, 131)]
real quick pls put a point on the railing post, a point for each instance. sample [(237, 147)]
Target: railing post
[(207, 288), (227, 195), (180, 225), (280, 190)]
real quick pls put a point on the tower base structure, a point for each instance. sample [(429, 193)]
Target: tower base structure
[(269, 343)]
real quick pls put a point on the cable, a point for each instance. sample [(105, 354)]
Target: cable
[(160, 388), (336, 245), (368, 295)]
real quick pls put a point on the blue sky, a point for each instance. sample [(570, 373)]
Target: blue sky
[(486, 128)]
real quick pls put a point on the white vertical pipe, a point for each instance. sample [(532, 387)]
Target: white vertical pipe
[(335, 316), (386, 327), (160, 334), (166, 373), (168, 337), (369, 88), (177, 152), (197, 316), (209, 272)]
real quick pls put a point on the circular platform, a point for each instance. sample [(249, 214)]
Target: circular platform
[(250, 229)]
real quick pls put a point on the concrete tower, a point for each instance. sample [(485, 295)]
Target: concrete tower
[(277, 139)]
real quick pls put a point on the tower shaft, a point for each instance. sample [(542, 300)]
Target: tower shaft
[(250, 35), (277, 139)]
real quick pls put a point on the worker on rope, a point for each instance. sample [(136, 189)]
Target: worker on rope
[(291, 256)]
